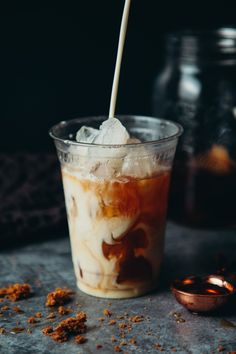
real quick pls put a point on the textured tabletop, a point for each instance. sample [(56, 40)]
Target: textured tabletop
[(166, 326)]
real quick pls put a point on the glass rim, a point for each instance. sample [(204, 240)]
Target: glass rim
[(161, 141)]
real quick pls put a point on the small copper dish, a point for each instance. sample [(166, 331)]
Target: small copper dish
[(203, 294)]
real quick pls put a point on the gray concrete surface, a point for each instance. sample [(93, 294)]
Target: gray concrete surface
[(48, 265)]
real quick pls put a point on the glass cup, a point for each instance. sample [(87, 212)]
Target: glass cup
[(116, 199)]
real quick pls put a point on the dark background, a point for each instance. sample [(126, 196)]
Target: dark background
[(57, 62)]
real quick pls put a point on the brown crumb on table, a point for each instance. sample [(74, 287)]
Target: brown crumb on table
[(59, 297), (80, 339), (16, 330), (38, 315), (47, 330), (112, 322), (118, 349), (16, 292), (159, 347), (122, 325), (67, 327), (17, 309), (31, 320), (5, 308), (50, 316), (113, 339), (173, 349), (220, 349), (178, 317), (2, 330), (63, 311), (101, 319), (107, 313), (136, 319), (132, 341), (98, 346), (123, 343)]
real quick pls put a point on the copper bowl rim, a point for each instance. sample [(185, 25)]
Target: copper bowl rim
[(232, 292)]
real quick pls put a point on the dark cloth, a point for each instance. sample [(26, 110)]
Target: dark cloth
[(31, 197)]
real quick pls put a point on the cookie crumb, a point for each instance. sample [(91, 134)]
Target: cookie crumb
[(122, 325), (5, 308), (107, 313), (59, 297), (47, 330), (98, 346), (118, 349), (50, 316), (123, 343), (80, 339), (101, 319), (31, 320), (2, 330), (67, 327), (17, 330), (38, 315), (220, 349), (132, 341), (112, 322), (16, 292), (17, 309), (136, 319), (63, 311), (113, 339)]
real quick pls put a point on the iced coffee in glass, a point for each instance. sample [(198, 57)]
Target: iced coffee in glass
[(116, 176)]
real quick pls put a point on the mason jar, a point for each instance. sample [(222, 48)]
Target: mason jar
[(197, 88)]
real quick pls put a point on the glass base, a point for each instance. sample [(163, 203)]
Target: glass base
[(116, 293)]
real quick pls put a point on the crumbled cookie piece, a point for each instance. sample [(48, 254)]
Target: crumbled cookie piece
[(112, 322), (16, 292), (17, 309), (101, 319), (98, 346), (80, 339), (17, 330), (132, 341), (136, 318), (123, 343), (63, 311), (2, 330), (59, 297), (118, 349), (67, 327), (107, 313), (122, 325), (113, 339), (5, 308), (47, 330), (73, 325), (38, 315), (31, 320), (50, 316)]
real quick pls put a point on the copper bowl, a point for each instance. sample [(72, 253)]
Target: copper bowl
[(203, 294)]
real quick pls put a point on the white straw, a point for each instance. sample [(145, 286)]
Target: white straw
[(123, 31)]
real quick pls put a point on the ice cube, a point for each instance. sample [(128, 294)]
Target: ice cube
[(112, 132), (86, 135), (140, 162)]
